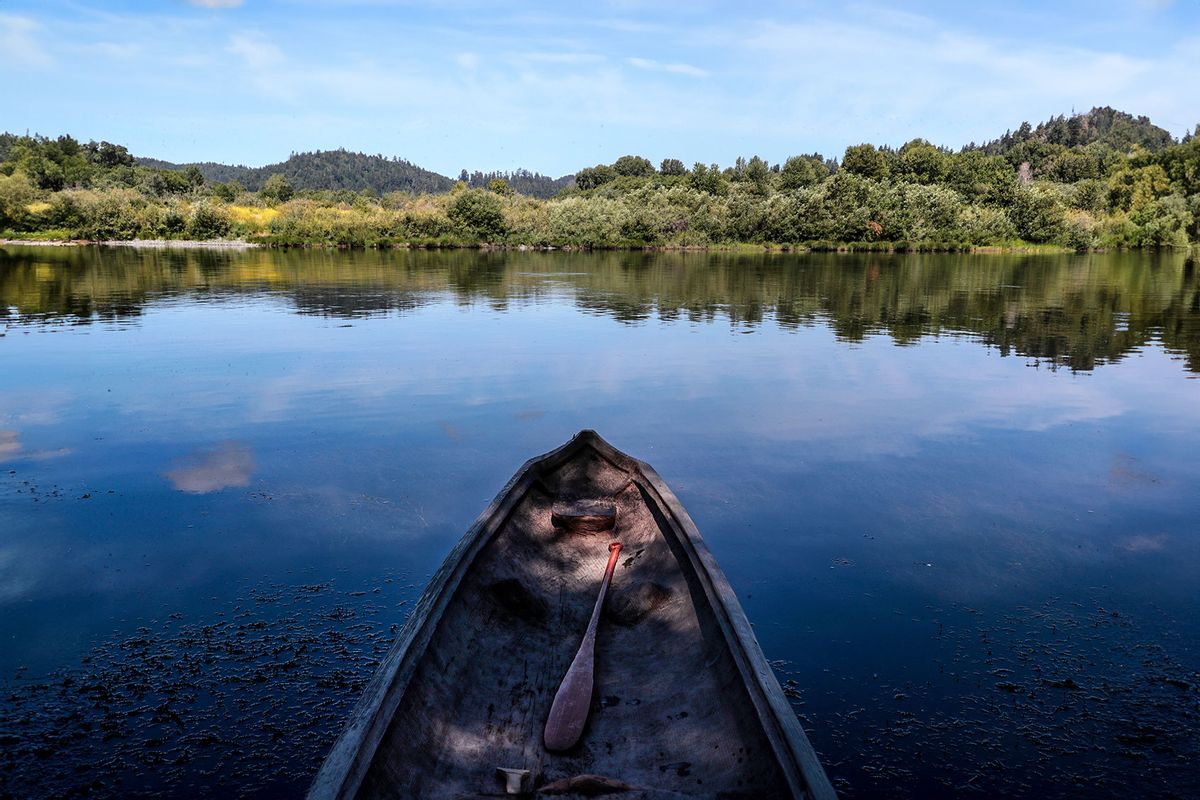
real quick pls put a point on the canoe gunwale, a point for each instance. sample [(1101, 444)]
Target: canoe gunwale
[(346, 765), (793, 751)]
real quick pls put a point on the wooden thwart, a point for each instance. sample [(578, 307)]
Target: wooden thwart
[(584, 516)]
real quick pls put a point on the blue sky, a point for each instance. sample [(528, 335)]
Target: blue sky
[(552, 87)]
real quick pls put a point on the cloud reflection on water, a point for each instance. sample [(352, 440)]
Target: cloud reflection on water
[(210, 470), (11, 449), (10, 445)]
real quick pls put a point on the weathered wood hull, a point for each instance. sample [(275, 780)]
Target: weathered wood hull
[(685, 704)]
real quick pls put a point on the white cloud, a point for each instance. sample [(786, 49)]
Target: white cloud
[(675, 68), (115, 50), (562, 58), (18, 42), (216, 3), (467, 61), (256, 51), (265, 64)]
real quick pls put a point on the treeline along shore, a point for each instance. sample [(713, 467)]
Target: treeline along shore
[(1099, 180)]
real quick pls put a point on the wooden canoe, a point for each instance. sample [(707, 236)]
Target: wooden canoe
[(685, 704)]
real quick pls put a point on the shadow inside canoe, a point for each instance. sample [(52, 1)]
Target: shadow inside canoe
[(670, 713)]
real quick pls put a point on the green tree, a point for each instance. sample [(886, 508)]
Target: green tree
[(1133, 187), (1182, 164), (1037, 214), (707, 179), (981, 178), (16, 194), (277, 189), (800, 171), (1071, 166), (633, 167), (920, 162), (193, 176), (1089, 195), (864, 160), (109, 155), (591, 177), (161, 182), (757, 173), (672, 166), (499, 186), (227, 192), (1162, 222), (43, 172)]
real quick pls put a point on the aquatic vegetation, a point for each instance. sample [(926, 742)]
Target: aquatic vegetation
[(199, 705)]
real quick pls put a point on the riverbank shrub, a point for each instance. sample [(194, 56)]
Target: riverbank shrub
[(478, 214), (208, 221), (16, 195)]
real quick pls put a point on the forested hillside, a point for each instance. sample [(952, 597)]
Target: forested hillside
[(328, 169), (342, 170), (521, 181), (1103, 179)]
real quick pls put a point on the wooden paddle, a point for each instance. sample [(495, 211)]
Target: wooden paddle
[(569, 711)]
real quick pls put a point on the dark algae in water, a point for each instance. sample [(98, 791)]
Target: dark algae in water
[(242, 702), (1064, 700)]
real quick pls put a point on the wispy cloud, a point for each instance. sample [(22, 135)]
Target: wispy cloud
[(216, 3), (561, 58), (676, 68), (256, 51), (19, 45), (114, 50), (265, 65)]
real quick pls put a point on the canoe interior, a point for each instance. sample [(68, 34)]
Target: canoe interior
[(672, 715)]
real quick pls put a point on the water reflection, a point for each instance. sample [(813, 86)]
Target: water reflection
[(211, 470), (930, 536), (12, 449), (10, 445), (1070, 311)]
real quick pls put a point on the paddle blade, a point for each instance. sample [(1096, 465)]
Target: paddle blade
[(569, 712)]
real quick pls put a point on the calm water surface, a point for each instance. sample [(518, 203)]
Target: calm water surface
[(958, 495)]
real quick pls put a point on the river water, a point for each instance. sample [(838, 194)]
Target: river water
[(958, 495)]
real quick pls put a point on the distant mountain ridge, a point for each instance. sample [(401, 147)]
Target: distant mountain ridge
[(342, 169)]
